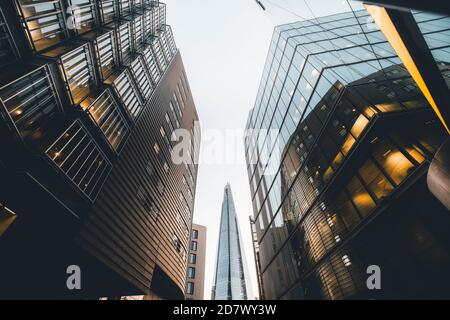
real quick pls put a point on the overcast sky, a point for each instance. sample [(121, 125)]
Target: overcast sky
[(224, 45)]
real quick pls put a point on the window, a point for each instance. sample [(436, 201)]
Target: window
[(194, 234), (31, 102), (128, 94), (107, 10), (124, 41), (78, 72), (142, 78), (156, 46), (183, 225), (44, 23), (151, 65), (191, 272), (138, 33), (77, 155), (124, 7), (192, 258), (194, 245), (147, 202), (156, 148), (179, 247), (105, 113), (190, 288), (106, 54), (84, 15)]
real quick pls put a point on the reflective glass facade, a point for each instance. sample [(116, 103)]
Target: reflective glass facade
[(338, 145), (229, 276)]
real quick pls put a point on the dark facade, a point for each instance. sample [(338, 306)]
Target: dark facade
[(90, 107), (342, 186), (195, 277)]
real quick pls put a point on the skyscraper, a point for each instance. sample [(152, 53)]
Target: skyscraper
[(230, 276), (339, 145), (90, 104)]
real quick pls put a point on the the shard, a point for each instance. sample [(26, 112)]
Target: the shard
[(230, 274)]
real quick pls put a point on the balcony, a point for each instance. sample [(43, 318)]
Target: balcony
[(128, 94), (79, 157), (108, 10), (8, 51), (152, 66), (104, 111), (43, 22), (31, 103), (142, 78), (105, 53), (83, 15)]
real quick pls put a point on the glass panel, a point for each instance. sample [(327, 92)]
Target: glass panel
[(105, 113), (43, 21), (128, 93), (31, 102), (106, 54), (79, 74)]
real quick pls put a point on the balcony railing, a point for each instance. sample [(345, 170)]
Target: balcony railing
[(105, 52), (128, 94), (105, 113), (43, 22), (142, 78), (78, 72), (31, 102), (79, 157)]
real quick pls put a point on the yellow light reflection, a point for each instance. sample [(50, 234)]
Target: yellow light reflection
[(384, 22)]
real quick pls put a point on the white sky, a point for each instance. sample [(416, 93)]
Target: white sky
[(224, 44)]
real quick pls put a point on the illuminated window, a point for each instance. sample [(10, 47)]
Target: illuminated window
[(346, 260), (360, 197), (43, 22), (105, 112), (156, 148), (106, 54), (393, 161), (375, 180), (31, 102), (78, 156), (78, 73)]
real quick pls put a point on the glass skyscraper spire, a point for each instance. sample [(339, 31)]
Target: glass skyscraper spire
[(229, 277)]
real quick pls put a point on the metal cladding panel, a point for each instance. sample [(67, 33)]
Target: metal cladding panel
[(133, 224)]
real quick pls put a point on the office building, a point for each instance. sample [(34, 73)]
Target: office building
[(230, 275), (92, 93), (338, 148), (195, 277)]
